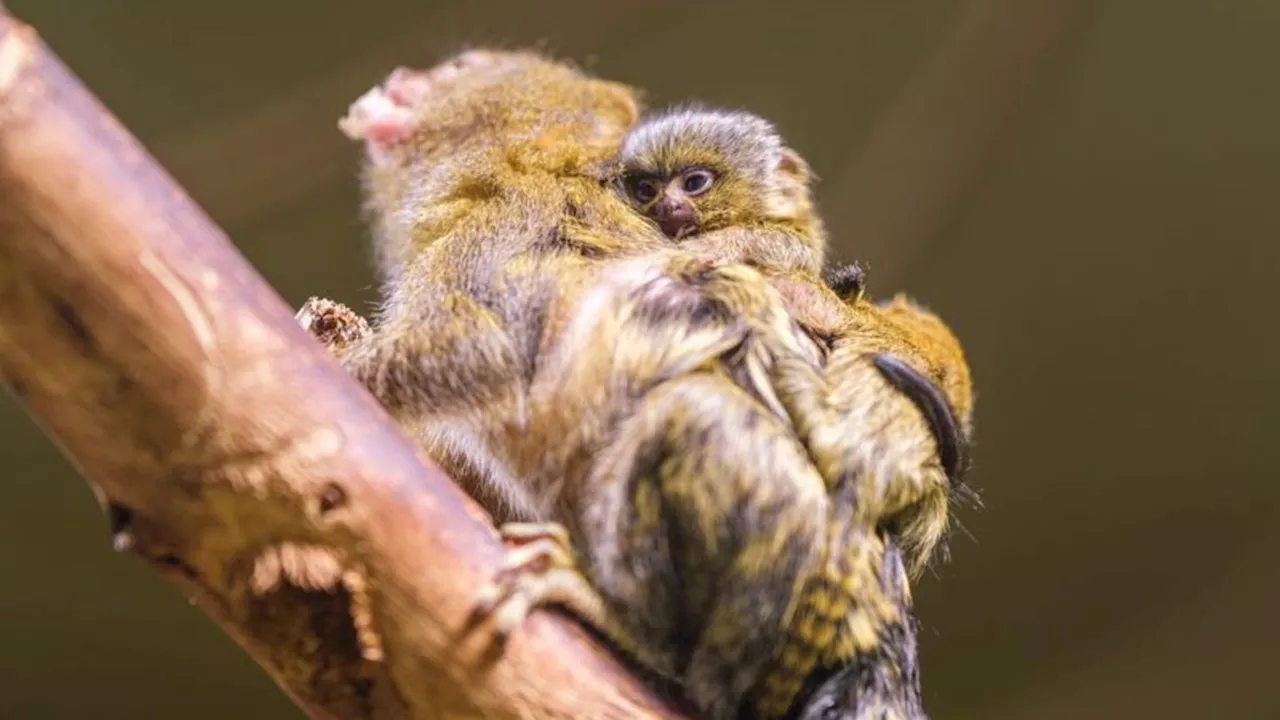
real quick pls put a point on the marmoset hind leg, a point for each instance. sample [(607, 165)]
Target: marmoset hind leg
[(886, 475), (886, 424), (845, 612), (881, 460), (881, 354), (696, 528), (880, 684), (899, 380), (690, 505)]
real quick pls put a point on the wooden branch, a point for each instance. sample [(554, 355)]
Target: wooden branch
[(233, 453)]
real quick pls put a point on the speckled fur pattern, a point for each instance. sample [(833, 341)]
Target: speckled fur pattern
[(575, 370), (877, 443)]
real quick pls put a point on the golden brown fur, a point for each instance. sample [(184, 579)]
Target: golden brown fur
[(723, 184), (577, 374), (758, 210)]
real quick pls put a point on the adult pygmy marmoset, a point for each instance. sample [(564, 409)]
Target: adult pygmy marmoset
[(620, 391)]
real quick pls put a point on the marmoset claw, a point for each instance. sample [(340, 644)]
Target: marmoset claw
[(538, 569)]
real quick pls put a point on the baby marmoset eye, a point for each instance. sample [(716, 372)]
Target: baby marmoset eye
[(643, 190), (668, 198), (695, 182)]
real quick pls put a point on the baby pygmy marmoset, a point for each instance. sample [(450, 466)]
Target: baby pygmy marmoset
[(532, 316), (723, 184)]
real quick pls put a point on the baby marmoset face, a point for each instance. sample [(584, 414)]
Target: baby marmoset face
[(695, 170)]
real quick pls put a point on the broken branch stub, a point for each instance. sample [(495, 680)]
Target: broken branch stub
[(233, 453)]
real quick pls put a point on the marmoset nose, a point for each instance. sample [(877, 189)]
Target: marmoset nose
[(674, 216)]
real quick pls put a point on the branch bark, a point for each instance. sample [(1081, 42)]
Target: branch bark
[(232, 453)]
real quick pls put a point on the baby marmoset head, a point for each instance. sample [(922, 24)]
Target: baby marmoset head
[(695, 170)]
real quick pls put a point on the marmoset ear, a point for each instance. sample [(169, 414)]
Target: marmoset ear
[(790, 163)]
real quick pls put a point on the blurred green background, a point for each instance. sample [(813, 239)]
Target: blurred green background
[(1086, 191)]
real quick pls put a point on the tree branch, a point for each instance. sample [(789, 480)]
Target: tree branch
[(233, 453)]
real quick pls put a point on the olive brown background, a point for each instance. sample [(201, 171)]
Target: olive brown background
[(1086, 191)]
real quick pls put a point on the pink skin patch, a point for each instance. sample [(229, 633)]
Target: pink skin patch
[(407, 87), (384, 115)]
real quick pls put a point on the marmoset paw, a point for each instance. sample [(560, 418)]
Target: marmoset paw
[(538, 570)]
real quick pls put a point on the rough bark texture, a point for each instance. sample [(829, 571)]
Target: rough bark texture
[(232, 453)]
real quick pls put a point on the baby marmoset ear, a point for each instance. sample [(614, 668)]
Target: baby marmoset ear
[(790, 184), (791, 164)]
